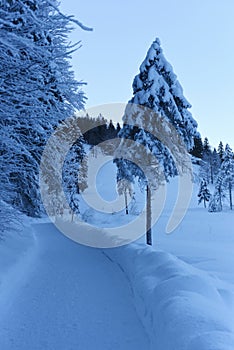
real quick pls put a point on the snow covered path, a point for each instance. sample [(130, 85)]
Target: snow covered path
[(73, 298)]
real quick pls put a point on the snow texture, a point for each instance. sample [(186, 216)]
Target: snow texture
[(180, 306), (178, 295)]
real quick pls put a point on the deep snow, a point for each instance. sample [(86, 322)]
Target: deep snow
[(73, 298), (178, 295)]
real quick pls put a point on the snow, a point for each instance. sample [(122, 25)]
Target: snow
[(157, 78), (177, 295), (179, 304), (73, 298)]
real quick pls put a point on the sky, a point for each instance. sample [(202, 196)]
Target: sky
[(197, 38)]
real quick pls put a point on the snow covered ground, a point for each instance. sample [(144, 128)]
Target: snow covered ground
[(72, 297), (178, 295)]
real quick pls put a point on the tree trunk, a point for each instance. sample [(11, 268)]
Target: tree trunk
[(148, 216), (126, 201)]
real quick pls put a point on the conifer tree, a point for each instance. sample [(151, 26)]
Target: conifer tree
[(111, 131), (197, 150), (206, 170), (206, 146), (216, 163), (204, 193), (157, 88), (227, 172), (216, 202), (221, 151), (118, 128)]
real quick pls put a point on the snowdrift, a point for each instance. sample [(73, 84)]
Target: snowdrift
[(179, 305)]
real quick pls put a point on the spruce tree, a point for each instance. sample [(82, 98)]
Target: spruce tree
[(206, 146), (221, 151), (197, 150), (75, 165), (156, 87), (216, 201), (227, 172), (206, 170), (216, 163), (111, 131), (204, 193), (118, 128)]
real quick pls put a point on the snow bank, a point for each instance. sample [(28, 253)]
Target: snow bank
[(16, 260), (179, 305)]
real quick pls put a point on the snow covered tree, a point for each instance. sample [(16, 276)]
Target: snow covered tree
[(62, 168), (206, 146), (75, 165), (124, 188), (221, 151), (37, 90), (197, 150), (216, 163), (224, 183), (216, 202), (156, 88), (204, 193), (227, 172), (206, 170)]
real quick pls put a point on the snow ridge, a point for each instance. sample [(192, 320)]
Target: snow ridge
[(179, 305)]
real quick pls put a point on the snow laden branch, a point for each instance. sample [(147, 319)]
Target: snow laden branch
[(70, 18)]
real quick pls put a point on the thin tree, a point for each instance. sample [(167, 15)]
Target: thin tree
[(124, 188)]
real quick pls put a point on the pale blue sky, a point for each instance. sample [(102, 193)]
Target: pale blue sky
[(197, 38)]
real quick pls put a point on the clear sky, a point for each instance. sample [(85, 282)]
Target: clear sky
[(197, 37)]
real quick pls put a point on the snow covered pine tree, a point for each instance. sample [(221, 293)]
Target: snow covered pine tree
[(204, 193), (156, 89), (227, 172), (224, 183), (216, 201)]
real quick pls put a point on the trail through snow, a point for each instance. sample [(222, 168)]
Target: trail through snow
[(73, 298)]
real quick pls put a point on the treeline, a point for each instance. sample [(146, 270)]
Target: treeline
[(98, 129), (216, 170)]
